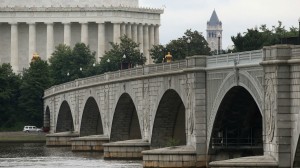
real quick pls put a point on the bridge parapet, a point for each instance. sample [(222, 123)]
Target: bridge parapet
[(243, 58), (141, 71)]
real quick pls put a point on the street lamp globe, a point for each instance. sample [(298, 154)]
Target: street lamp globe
[(68, 74), (108, 60), (80, 69), (124, 56), (188, 41), (94, 64)]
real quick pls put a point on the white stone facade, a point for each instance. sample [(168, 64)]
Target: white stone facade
[(40, 28)]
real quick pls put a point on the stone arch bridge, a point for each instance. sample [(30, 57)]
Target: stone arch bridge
[(243, 107)]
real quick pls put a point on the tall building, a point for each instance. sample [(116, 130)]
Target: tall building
[(214, 33), (37, 26)]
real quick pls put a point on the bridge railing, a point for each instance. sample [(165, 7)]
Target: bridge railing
[(128, 73), (249, 57)]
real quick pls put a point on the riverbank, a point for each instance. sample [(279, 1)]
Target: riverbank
[(22, 137)]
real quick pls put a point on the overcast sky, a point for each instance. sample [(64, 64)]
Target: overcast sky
[(236, 15)]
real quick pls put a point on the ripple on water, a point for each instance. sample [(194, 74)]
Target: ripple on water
[(38, 155)]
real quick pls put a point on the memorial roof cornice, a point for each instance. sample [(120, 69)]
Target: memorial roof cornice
[(86, 9)]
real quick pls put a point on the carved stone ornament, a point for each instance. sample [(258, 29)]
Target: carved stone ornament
[(270, 108), (189, 90)]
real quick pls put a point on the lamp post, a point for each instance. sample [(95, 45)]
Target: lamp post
[(299, 32), (107, 67), (188, 41), (123, 58), (219, 41)]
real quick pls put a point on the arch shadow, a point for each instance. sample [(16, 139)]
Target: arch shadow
[(296, 161), (46, 126), (91, 121), (169, 123), (64, 119), (125, 125), (237, 129)]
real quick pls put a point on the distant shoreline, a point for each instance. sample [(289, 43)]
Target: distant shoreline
[(22, 137)]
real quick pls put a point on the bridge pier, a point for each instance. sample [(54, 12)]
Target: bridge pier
[(89, 143), (60, 139), (127, 150), (170, 157)]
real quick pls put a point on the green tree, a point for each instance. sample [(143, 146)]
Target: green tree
[(35, 80), (192, 43), (9, 93), (255, 39), (126, 53), (60, 63), (82, 60), (68, 64)]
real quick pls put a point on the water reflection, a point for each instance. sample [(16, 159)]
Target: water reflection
[(38, 155)]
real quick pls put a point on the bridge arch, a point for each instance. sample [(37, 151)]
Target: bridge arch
[(125, 124), (249, 87), (168, 128), (296, 154), (91, 120), (64, 118), (246, 81), (296, 145)]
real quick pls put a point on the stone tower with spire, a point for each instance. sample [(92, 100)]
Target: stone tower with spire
[(214, 33)]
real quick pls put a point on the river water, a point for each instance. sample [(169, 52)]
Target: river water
[(35, 155)]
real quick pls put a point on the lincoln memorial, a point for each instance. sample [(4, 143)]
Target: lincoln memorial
[(37, 26)]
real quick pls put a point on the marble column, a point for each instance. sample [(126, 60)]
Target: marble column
[(128, 30), (151, 36), (156, 34), (14, 48), (135, 33), (123, 29), (151, 40), (116, 33), (146, 43), (67, 33), (84, 33), (101, 41), (31, 41), (140, 35), (50, 39)]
